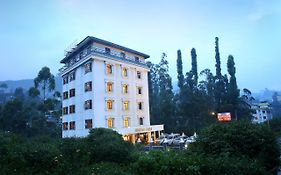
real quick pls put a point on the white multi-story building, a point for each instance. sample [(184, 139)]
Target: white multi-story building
[(106, 85), (262, 112)]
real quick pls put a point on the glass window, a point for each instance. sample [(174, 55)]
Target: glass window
[(109, 104), (72, 76), (65, 110), (88, 86), (65, 126), (138, 74), (126, 122), (65, 95), (71, 92), (141, 120), (137, 59), (72, 125), (88, 104), (65, 79), (122, 54), (124, 72), (125, 88), (139, 90), (109, 69), (72, 109), (107, 50), (126, 105), (88, 123), (110, 122), (109, 87), (140, 106), (88, 67)]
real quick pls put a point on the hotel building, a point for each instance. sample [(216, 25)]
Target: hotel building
[(106, 85)]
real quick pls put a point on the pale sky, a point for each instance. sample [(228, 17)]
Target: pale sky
[(35, 34)]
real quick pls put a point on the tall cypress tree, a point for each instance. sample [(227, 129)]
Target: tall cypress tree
[(218, 60), (179, 70), (194, 66)]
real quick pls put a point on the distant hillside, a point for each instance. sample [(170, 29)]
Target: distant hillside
[(27, 83), (265, 94)]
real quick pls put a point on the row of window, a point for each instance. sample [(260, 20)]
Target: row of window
[(88, 68), (89, 123), (71, 94), (109, 106)]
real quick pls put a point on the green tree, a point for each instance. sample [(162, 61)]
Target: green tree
[(19, 93), (33, 92), (179, 70), (194, 66), (45, 80)]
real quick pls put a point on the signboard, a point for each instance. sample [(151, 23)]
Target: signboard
[(223, 117)]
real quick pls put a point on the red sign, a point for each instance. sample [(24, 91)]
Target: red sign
[(226, 116)]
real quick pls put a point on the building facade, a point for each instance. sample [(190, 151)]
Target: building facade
[(262, 112), (106, 85)]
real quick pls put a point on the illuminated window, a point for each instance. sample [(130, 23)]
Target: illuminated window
[(65, 110), (88, 124), (126, 105), (72, 76), (141, 120), (126, 122), (71, 92), (140, 106), (125, 88), (138, 74), (65, 95), (65, 79), (109, 104), (65, 126), (72, 109), (109, 69), (110, 122), (72, 125), (88, 86), (124, 72), (88, 104), (109, 87), (139, 90), (88, 67)]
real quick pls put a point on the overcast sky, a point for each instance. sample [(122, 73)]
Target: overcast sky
[(35, 34)]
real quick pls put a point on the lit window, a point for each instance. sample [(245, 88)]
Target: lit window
[(126, 122), (125, 88), (108, 69), (109, 87), (65, 95), (88, 86), (72, 76), (71, 92), (140, 106), (72, 109), (141, 120), (65, 110), (139, 90), (109, 104), (110, 122), (125, 105), (88, 104), (65, 79), (138, 74), (107, 50), (125, 72), (65, 126), (88, 67), (72, 125), (88, 124)]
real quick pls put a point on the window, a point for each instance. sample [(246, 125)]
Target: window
[(65, 126), (65, 95), (124, 72), (71, 92), (88, 104), (109, 87), (110, 122), (263, 112), (122, 54), (88, 67), (65, 79), (137, 59), (126, 105), (65, 110), (141, 120), (125, 88), (107, 50), (71, 109), (138, 74), (88, 86), (140, 106), (108, 69), (88, 123), (109, 104), (72, 125), (72, 76), (139, 90), (126, 122), (264, 117)]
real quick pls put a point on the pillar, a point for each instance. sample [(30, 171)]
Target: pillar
[(148, 136), (133, 138)]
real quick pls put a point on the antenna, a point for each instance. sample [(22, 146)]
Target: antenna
[(70, 48)]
